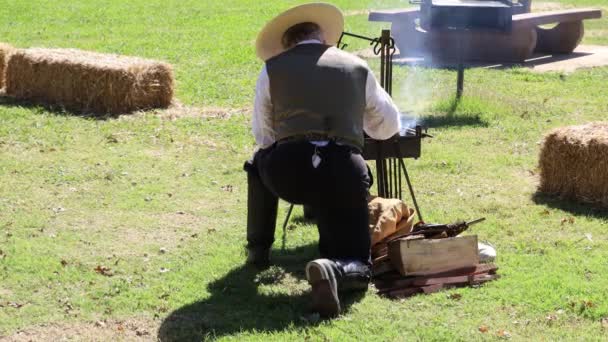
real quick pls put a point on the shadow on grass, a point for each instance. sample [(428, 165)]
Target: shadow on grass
[(452, 120), (451, 116), (301, 220), (237, 306), (575, 208), (39, 108)]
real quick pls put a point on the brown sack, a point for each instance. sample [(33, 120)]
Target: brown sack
[(387, 216)]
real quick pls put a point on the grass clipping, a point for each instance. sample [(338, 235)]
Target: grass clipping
[(5, 52), (88, 82), (574, 163)]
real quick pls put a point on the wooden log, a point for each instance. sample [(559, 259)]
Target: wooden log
[(440, 284), (423, 282), (550, 17), (561, 39), (393, 280), (413, 257), (382, 268)]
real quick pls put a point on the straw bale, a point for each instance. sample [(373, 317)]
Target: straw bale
[(89, 82), (574, 163), (5, 52)]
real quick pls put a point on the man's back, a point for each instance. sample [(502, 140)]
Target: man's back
[(318, 89)]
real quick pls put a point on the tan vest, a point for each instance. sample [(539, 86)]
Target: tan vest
[(318, 91)]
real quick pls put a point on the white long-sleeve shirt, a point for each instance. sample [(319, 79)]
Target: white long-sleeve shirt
[(381, 119)]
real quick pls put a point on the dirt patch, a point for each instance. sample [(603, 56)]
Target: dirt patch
[(5, 293), (172, 230), (543, 6), (99, 233), (115, 330), (351, 13), (179, 110), (585, 56)]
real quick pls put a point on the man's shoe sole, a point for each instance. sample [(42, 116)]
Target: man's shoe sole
[(325, 299)]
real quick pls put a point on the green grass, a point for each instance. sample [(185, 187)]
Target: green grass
[(77, 193)]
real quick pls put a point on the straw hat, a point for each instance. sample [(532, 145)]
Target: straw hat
[(327, 16)]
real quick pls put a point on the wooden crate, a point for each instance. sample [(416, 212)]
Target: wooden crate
[(415, 257)]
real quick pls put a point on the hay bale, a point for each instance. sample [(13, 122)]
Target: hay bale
[(574, 163), (5, 52), (88, 82)]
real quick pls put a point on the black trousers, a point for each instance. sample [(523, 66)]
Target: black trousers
[(336, 191)]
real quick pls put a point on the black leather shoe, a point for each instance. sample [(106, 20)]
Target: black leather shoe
[(356, 275), (258, 257)]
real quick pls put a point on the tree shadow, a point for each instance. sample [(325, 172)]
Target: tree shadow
[(572, 207), (236, 304), (42, 108)]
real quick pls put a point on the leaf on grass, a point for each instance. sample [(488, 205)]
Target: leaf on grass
[(483, 329), (64, 262), (111, 139), (503, 334), (588, 304), (164, 270), (551, 318), (455, 296), (58, 210), (589, 237), (569, 220), (103, 270), (16, 305), (227, 188), (141, 333), (605, 323)]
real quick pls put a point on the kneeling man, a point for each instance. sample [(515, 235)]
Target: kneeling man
[(313, 104)]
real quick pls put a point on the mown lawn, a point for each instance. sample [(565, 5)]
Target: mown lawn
[(134, 227)]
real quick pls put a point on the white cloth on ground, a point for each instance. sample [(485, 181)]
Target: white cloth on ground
[(487, 253)]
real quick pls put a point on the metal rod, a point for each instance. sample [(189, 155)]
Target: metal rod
[(460, 81), (382, 66), (460, 78), (409, 184), (359, 36), (397, 180), (385, 176), (400, 188), (285, 226), (390, 177), (476, 221), (379, 179)]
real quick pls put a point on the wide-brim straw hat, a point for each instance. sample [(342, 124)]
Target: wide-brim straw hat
[(329, 18)]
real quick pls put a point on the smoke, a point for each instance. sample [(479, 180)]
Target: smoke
[(415, 92)]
